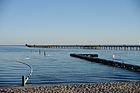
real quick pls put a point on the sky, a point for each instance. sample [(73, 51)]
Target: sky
[(89, 22)]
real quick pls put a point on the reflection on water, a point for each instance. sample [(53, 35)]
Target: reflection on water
[(58, 67)]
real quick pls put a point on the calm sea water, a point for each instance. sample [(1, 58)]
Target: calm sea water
[(58, 67)]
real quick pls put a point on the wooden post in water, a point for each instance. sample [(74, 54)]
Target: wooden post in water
[(39, 52), (23, 80), (44, 53)]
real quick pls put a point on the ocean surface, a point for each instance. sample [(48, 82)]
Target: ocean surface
[(58, 67)]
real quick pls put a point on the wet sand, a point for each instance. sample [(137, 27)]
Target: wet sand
[(111, 87)]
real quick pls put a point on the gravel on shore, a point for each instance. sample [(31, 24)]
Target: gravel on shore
[(111, 87)]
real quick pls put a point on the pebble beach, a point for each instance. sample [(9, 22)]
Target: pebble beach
[(110, 87)]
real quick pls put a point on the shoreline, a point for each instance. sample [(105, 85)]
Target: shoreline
[(106, 87)]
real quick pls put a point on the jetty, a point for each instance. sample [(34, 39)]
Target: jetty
[(94, 58), (96, 47)]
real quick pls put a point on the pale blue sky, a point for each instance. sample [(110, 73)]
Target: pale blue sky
[(70, 21)]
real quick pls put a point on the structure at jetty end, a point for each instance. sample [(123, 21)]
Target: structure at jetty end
[(96, 47)]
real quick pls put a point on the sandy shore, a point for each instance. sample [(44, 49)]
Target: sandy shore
[(111, 87)]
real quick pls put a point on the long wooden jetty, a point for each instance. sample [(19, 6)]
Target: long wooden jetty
[(94, 58), (96, 47)]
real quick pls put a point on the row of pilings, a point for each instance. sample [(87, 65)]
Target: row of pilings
[(125, 48), (96, 47), (94, 58)]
